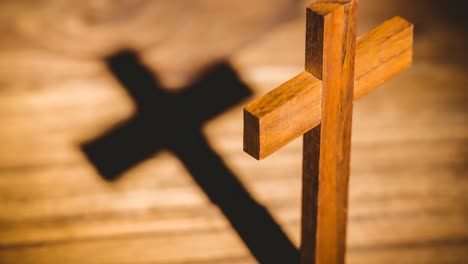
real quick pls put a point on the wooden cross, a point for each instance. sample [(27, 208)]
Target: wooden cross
[(318, 104)]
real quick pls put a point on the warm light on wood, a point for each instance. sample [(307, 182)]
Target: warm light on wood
[(269, 125), (333, 26), (408, 185), (318, 103)]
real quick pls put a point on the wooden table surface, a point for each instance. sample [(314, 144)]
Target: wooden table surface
[(409, 172)]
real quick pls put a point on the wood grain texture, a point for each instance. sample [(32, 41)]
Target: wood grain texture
[(310, 194), (380, 55), (409, 189), (328, 202), (277, 113)]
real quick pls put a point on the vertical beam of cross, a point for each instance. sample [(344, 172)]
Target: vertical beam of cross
[(330, 52)]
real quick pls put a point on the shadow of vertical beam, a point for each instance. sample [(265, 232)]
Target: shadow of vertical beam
[(259, 231)]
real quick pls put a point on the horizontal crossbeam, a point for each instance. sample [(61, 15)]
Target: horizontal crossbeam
[(292, 109)]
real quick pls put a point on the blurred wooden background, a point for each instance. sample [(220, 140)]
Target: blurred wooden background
[(409, 184)]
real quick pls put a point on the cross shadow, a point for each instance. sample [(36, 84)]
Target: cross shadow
[(173, 121)]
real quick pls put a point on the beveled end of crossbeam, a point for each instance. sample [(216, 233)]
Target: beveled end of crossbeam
[(287, 112), (251, 134), (283, 109)]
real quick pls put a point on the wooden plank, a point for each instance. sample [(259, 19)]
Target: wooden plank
[(447, 252), (381, 172), (144, 248), (380, 55), (416, 230), (384, 199)]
